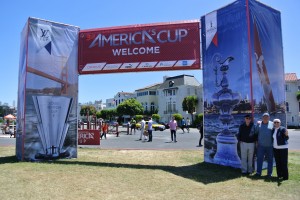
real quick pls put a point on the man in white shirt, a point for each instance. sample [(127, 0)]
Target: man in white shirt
[(150, 129), (142, 129)]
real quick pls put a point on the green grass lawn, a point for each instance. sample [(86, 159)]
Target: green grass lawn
[(138, 174)]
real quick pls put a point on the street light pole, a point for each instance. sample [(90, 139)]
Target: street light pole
[(170, 108)]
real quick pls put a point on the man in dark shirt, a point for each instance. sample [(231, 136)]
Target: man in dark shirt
[(247, 138)]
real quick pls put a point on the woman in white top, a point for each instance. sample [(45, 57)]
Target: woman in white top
[(280, 147)]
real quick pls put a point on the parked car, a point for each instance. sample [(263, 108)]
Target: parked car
[(113, 123), (156, 126), (166, 124)]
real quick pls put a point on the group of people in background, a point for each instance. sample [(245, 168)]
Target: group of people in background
[(269, 139), (185, 124), (146, 133)]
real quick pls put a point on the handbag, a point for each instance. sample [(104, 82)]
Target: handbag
[(146, 133)]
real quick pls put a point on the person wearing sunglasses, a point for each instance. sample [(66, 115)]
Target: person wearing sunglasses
[(247, 139), (280, 148)]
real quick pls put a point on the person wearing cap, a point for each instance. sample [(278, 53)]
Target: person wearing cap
[(280, 148), (264, 145), (247, 139)]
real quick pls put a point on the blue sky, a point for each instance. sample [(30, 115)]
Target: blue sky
[(97, 14)]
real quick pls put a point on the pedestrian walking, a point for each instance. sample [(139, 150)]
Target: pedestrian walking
[(104, 129), (183, 124), (150, 129), (133, 126), (188, 123), (200, 128), (142, 129), (173, 128)]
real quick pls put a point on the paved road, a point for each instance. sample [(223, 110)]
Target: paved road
[(161, 140)]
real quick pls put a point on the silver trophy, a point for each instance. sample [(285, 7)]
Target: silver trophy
[(225, 100), (52, 114)]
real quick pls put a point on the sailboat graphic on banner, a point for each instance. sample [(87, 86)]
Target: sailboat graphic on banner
[(263, 73), (52, 114)]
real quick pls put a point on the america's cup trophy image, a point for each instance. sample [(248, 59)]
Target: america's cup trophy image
[(225, 100), (52, 114)]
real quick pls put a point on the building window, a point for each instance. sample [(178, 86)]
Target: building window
[(146, 106), (287, 106), (145, 93), (287, 88), (171, 92), (168, 106), (152, 92), (152, 107), (174, 106)]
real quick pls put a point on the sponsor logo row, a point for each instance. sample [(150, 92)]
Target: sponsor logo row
[(137, 65)]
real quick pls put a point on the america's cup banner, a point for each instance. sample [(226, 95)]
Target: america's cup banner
[(146, 47)]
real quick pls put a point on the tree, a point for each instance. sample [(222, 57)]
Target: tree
[(156, 117), (298, 95), (198, 119), (130, 107), (178, 117), (189, 104), (107, 114), (87, 110), (138, 117)]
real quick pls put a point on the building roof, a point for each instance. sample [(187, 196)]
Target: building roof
[(153, 86), (289, 77), (180, 80), (124, 93)]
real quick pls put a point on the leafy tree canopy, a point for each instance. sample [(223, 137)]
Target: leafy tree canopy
[(130, 107), (87, 109), (156, 117), (189, 104)]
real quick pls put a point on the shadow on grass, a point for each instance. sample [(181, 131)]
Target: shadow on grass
[(267, 179), (202, 172), (8, 159)]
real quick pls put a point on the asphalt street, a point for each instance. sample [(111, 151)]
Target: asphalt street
[(161, 140)]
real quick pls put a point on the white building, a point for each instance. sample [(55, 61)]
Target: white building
[(98, 104), (118, 98), (165, 97), (172, 92), (292, 86), (148, 97)]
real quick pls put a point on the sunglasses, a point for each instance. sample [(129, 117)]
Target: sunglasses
[(276, 122), (247, 118)]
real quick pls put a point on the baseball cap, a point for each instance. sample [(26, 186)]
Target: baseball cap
[(266, 114)]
